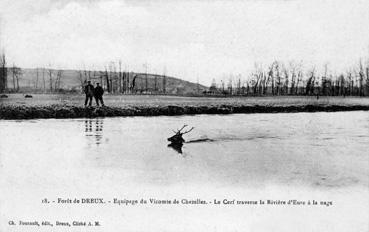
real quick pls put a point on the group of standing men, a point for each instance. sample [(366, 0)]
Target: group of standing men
[(96, 92)]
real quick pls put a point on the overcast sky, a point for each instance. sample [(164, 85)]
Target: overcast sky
[(188, 39)]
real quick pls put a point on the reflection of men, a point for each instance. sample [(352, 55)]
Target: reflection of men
[(99, 91), (89, 91)]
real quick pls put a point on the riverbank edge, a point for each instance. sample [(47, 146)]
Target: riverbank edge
[(67, 111)]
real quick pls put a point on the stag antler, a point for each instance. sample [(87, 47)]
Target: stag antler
[(178, 132), (188, 131)]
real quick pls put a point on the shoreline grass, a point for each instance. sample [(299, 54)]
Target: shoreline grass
[(72, 106)]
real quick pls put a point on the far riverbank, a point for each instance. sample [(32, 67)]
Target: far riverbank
[(71, 106)]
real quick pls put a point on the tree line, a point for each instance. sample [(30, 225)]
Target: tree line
[(280, 79), (48, 80), (277, 79), (115, 80)]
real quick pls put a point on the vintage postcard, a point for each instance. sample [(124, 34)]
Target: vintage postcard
[(169, 115)]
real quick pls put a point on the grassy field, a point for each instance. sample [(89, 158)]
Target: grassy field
[(16, 106), (160, 100)]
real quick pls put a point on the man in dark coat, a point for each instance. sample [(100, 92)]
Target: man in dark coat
[(99, 91), (89, 91)]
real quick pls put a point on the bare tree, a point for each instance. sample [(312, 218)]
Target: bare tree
[(350, 82), (309, 89), (107, 81), (128, 79), (146, 78), (257, 76), (278, 77), (164, 82), (16, 73), (361, 79), (3, 73), (13, 77), (230, 86), (120, 77), (59, 75), (300, 75), (50, 72), (43, 79), (133, 85), (272, 77), (156, 83), (367, 79), (81, 78), (286, 73), (293, 68), (268, 79)]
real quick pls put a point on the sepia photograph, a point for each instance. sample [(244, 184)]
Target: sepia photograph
[(184, 116)]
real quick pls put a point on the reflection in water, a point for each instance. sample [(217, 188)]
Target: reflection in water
[(201, 140), (94, 129), (177, 147)]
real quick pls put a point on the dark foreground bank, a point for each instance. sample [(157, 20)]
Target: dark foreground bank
[(66, 111)]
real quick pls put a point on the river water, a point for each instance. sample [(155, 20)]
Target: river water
[(321, 156)]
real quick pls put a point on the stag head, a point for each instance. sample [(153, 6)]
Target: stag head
[(177, 137)]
